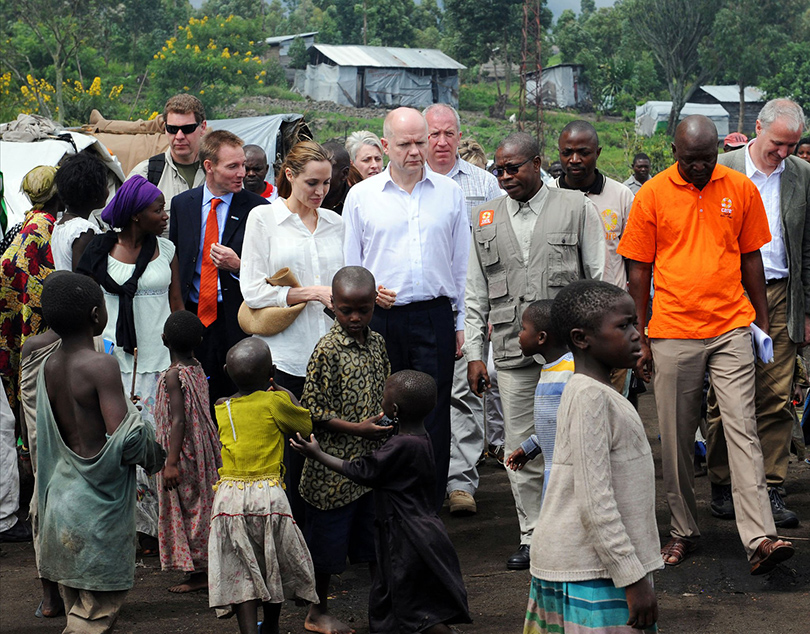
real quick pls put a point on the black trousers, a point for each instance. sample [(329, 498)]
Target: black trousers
[(211, 354), (422, 336), (293, 461)]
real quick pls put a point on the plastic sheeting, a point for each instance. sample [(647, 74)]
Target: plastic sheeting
[(261, 131), (653, 116), (324, 82), (17, 159), (382, 86), (560, 87)]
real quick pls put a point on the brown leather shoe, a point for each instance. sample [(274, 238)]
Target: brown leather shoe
[(769, 553)]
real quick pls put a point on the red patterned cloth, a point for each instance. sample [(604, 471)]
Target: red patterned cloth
[(24, 265), (185, 512)]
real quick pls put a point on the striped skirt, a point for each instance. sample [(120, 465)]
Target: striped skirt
[(583, 607)]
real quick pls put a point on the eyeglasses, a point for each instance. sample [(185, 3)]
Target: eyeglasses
[(509, 169), (187, 129)]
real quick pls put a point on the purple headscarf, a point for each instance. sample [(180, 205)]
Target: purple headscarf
[(135, 195)]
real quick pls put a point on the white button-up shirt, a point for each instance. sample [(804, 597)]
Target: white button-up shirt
[(479, 186), (416, 244), (774, 255), (275, 238)]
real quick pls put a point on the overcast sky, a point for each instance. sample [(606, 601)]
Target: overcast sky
[(558, 6)]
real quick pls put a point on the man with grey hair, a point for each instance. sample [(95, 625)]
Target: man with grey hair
[(527, 245), (466, 409), (783, 181), (409, 227)]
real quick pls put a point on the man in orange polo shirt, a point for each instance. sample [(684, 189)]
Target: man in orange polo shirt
[(700, 225)]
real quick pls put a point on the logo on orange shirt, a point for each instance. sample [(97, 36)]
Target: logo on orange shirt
[(485, 217), (726, 208)]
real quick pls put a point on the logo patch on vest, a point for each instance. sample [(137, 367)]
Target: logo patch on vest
[(485, 217)]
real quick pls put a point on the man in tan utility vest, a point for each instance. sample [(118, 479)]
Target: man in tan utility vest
[(526, 246)]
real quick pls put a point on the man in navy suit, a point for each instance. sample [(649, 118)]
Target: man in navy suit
[(198, 237)]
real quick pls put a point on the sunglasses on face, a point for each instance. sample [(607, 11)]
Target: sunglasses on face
[(509, 169), (186, 129)]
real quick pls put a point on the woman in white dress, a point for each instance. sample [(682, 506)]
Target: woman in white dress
[(137, 270)]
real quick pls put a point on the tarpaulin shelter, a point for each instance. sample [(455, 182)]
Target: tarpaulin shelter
[(379, 75), (561, 86), (653, 116)]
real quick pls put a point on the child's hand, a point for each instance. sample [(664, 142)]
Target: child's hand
[(371, 430), (308, 448), (642, 604), (171, 477), (517, 460)]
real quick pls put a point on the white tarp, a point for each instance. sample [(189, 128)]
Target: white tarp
[(560, 87), (328, 83), (261, 131), (653, 116), (17, 159), (398, 87)]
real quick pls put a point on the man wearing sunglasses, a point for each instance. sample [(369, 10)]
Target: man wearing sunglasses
[(527, 245), (178, 169)]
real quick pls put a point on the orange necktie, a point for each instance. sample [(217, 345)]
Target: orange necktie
[(207, 306)]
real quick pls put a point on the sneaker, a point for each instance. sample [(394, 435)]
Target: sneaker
[(782, 516), (482, 459), (496, 452), (462, 504), (722, 505)]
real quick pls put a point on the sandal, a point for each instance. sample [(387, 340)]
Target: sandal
[(678, 548), (769, 553)]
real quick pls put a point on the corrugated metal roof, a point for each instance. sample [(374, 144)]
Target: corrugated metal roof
[(727, 94), (387, 57), (278, 39)]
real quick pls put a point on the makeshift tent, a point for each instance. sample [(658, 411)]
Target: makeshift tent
[(378, 75), (561, 86), (653, 116), (17, 158)]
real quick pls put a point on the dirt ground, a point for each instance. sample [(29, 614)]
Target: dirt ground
[(712, 592)]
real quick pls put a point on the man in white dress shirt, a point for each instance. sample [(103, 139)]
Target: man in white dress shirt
[(466, 409), (409, 226)]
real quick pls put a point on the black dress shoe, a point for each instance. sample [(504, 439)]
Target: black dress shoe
[(722, 504), (20, 532), (520, 559), (782, 516)]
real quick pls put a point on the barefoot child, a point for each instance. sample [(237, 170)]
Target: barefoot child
[(596, 541), (186, 485), (537, 337), (418, 585), (89, 439), (343, 391), (256, 554)]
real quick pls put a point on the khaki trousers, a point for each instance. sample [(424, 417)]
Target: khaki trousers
[(517, 387), (774, 384), (91, 611), (679, 368)]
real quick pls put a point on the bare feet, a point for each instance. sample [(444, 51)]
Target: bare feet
[(324, 623), (52, 604), (196, 581)]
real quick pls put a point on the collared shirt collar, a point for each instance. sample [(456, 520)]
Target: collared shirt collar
[(345, 338), (594, 188), (207, 196), (675, 175), (385, 177), (536, 202), (751, 168), (282, 213)]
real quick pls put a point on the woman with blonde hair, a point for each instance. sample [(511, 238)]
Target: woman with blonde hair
[(366, 153)]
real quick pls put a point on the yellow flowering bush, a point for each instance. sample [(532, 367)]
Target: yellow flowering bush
[(214, 58), (38, 96)]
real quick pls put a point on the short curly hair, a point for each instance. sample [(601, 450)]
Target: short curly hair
[(583, 305), (81, 179), (67, 301), (414, 393), (183, 331)]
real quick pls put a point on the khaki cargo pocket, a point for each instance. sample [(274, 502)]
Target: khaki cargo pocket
[(487, 245), (497, 285), (563, 258), (504, 338)]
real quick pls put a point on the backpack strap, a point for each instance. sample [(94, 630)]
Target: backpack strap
[(157, 164)]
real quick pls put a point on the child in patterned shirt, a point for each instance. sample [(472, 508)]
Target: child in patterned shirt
[(343, 391)]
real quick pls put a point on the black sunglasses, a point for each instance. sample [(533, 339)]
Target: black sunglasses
[(509, 169), (187, 129)]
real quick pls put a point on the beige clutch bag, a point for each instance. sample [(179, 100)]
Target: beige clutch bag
[(272, 319)]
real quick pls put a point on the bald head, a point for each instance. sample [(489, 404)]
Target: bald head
[(695, 149), (256, 168), (405, 142)]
